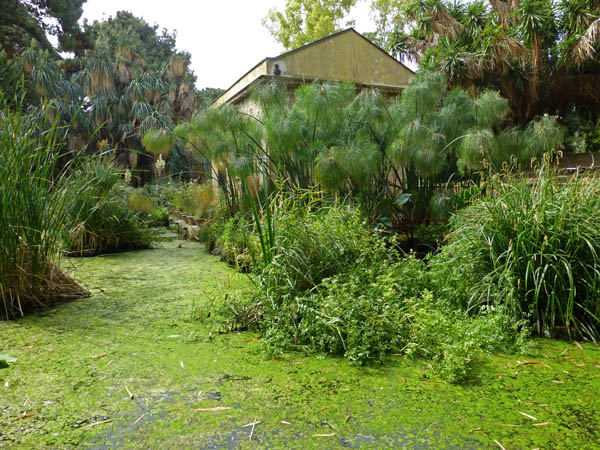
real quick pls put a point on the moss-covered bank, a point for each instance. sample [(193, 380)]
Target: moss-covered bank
[(148, 332)]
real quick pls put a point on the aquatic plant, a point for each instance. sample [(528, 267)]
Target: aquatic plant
[(34, 205)]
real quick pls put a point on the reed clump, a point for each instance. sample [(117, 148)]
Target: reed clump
[(34, 201)]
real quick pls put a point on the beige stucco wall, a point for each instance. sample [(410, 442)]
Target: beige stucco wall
[(256, 72), (346, 56), (250, 107), (343, 57)]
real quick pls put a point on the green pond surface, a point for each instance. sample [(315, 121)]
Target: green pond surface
[(141, 364)]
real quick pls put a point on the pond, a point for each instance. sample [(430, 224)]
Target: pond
[(142, 363)]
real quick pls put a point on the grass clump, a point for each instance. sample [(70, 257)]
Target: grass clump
[(101, 219), (34, 202), (532, 247)]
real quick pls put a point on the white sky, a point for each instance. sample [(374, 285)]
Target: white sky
[(225, 37)]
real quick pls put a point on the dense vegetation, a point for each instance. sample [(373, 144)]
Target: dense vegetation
[(399, 160)]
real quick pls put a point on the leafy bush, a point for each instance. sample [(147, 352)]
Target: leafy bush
[(532, 246), (357, 313), (140, 201), (372, 310), (313, 241), (34, 202), (158, 217)]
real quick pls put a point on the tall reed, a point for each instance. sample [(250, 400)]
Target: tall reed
[(33, 210)]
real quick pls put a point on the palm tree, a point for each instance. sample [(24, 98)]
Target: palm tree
[(522, 48)]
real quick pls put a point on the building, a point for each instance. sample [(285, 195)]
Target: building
[(343, 56)]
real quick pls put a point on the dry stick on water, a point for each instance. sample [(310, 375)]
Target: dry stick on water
[(129, 393), (216, 408), (97, 423), (527, 415), (139, 418), (499, 444), (252, 431), (251, 424), (24, 416)]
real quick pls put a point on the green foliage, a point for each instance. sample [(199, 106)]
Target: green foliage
[(123, 96), (158, 217), (541, 55), (21, 21), (194, 199), (304, 21), (531, 248), (125, 30), (363, 146), (208, 95), (10, 74), (159, 142), (232, 242), (314, 241), (333, 287)]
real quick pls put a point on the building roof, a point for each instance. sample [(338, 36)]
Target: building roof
[(343, 56)]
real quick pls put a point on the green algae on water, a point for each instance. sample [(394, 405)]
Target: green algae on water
[(141, 364)]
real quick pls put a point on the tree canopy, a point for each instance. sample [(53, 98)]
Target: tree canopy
[(540, 54), (153, 44), (304, 21), (24, 20)]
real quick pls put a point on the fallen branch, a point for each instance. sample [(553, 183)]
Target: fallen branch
[(499, 444), (129, 393), (527, 415), (251, 424), (252, 431)]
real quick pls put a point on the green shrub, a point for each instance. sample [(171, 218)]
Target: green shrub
[(158, 217), (333, 285), (313, 241), (371, 310), (357, 313), (196, 199), (231, 242), (140, 202), (531, 246), (146, 204)]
